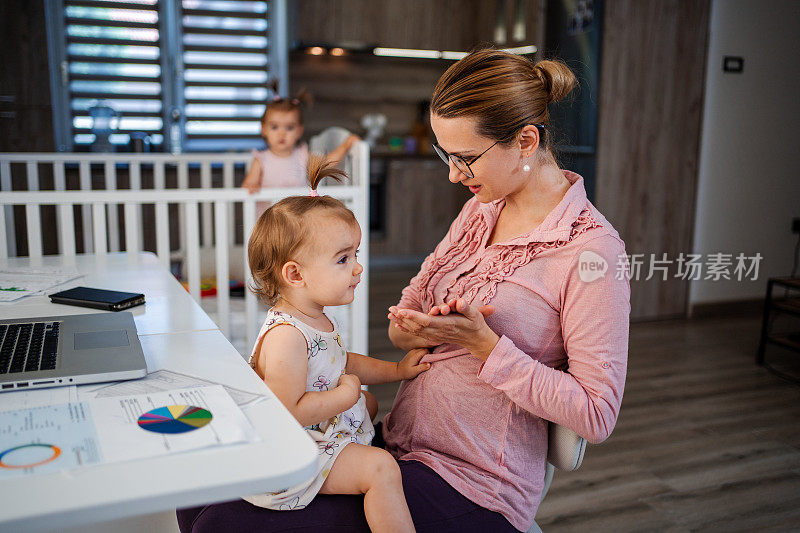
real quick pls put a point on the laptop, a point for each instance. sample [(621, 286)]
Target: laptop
[(69, 350)]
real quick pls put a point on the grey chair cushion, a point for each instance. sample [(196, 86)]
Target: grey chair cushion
[(565, 448), (565, 451)]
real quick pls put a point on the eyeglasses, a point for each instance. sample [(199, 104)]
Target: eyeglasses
[(461, 164)]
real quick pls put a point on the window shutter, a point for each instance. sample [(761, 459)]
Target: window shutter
[(192, 74), (226, 71), (113, 56)]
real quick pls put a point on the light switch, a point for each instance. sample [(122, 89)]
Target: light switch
[(732, 64)]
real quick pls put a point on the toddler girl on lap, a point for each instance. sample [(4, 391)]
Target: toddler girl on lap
[(302, 254)]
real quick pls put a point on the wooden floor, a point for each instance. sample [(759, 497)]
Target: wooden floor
[(706, 440)]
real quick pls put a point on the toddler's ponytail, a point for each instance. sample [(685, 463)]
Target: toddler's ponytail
[(272, 85), (304, 98), (320, 168)]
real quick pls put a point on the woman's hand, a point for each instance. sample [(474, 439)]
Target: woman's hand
[(402, 340), (409, 367), (454, 322)]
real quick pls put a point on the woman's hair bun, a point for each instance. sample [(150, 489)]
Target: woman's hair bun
[(320, 168), (557, 79)]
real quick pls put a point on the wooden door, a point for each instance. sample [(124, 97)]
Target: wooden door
[(651, 105)]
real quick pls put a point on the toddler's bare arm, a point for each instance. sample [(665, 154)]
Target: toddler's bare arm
[(283, 362)]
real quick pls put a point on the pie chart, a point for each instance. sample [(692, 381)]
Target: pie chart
[(174, 419)]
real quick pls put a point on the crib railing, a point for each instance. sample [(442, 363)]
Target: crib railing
[(216, 227), (41, 171), (100, 171)]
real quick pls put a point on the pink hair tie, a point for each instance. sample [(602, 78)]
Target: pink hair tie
[(295, 101), (276, 98), (313, 193)]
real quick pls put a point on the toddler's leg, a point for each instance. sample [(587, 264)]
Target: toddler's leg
[(374, 473), (372, 404)]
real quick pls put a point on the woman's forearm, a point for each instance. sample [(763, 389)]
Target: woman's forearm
[(405, 341), (586, 399)]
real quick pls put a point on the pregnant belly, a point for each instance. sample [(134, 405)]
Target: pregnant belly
[(448, 411), (445, 351)]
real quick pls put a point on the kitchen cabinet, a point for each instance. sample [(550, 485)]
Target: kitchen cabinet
[(457, 25), (419, 203)]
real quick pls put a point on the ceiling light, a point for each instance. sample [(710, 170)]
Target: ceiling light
[(522, 50), (337, 51), (407, 52), (316, 51), (436, 54), (454, 55)]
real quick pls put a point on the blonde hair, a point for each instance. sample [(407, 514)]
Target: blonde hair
[(283, 230), (298, 103), (503, 91)]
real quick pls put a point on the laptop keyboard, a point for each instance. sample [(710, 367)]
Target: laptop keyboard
[(29, 346)]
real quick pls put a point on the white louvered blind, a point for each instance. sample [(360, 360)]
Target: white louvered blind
[(192, 74), (113, 53), (226, 70)]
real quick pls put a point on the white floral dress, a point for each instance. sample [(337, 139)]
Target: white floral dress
[(327, 358)]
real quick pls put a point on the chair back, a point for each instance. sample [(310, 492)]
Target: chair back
[(328, 140), (565, 448)]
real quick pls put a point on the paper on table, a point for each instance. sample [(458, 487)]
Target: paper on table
[(122, 439), (57, 437), (162, 380), (25, 399), (16, 283), (46, 439)]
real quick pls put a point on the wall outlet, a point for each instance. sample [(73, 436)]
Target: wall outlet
[(796, 225)]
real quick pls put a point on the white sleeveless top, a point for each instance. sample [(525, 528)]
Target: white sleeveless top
[(327, 359)]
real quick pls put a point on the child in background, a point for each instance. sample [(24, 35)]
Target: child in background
[(302, 254), (284, 162)]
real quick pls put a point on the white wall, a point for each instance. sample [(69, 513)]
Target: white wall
[(749, 176)]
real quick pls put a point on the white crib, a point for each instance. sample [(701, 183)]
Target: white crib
[(205, 217)]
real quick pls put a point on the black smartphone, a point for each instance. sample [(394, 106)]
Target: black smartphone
[(98, 298)]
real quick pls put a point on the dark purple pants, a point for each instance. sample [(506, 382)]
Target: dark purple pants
[(435, 507)]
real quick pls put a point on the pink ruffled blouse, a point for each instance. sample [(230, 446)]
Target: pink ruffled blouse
[(562, 356)]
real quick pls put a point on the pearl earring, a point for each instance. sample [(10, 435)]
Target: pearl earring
[(526, 168)]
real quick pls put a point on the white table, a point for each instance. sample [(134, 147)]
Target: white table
[(168, 309), (81, 497)]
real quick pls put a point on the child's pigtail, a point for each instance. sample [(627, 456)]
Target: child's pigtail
[(273, 86), (320, 168), (302, 101), (303, 98)]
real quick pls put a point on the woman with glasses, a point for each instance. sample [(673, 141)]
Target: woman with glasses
[(524, 307)]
